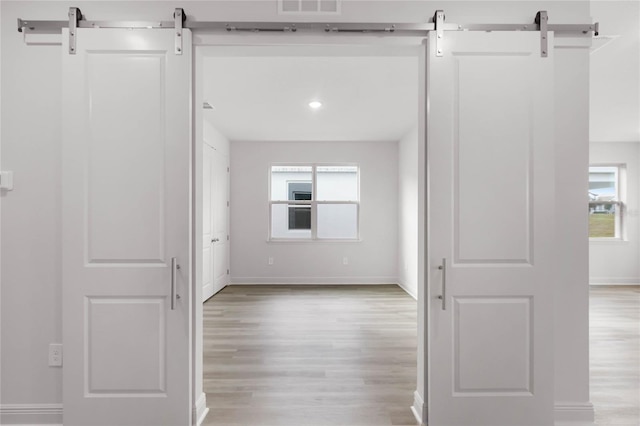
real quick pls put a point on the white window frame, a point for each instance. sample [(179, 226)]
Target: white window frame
[(619, 201), (314, 204)]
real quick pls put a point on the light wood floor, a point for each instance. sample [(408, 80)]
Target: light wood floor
[(346, 355), (615, 354), (310, 355)]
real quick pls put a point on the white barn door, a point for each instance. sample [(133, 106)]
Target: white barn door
[(490, 163), (126, 211)]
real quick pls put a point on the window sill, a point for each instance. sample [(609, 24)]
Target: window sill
[(322, 241), (608, 241)]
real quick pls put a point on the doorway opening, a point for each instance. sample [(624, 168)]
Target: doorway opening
[(308, 272)]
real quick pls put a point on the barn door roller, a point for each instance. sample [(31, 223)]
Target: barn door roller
[(74, 17), (179, 18), (438, 20), (542, 20)]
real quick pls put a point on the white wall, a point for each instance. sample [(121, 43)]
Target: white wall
[(371, 260), (615, 73), (571, 325), (408, 212), (30, 146), (31, 217), (618, 262), (212, 137)]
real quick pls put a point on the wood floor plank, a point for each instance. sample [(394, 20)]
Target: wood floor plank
[(310, 355), (346, 355)]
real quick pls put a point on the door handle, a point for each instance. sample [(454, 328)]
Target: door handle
[(443, 296), (215, 240), (174, 272)]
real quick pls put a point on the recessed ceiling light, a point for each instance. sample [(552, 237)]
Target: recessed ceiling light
[(315, 104)]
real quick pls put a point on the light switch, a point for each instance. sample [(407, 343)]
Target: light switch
[(6, 180)]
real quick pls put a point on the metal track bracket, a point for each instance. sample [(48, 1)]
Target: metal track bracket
[(75, 15), (438, 20), (542, 19), (180, 18)]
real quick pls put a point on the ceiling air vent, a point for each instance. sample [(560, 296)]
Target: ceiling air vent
[(309, 7)]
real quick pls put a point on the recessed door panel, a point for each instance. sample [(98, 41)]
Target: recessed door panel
[(126, 346), (504, 352), (492, 164), (125, 158)]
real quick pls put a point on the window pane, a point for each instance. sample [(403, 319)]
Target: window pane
[(603, 183), (337, 183), (339, 221), (603, 191), (281, 221), (291, 183), (602, 220), (299, 217)]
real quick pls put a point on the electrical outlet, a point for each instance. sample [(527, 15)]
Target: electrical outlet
[(55, 355), (271, 261), (345, 260)]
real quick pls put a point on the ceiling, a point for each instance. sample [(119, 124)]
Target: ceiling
[(368, 93)]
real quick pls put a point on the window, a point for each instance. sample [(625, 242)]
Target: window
[(314, 202), (605, 202)]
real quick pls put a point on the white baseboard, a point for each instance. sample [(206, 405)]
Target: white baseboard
[(200, 410), (408, 291), (574, 414), (313, 280), (418, 407), (614, 280), (31, 414)]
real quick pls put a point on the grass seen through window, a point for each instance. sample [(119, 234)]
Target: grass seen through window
[(602, 225)]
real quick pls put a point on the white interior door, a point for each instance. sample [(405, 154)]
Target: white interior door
[(207, 222), (215, 241), (126, 212), (220, 208), (490, 156)]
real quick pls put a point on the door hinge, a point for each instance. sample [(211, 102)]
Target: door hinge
[(227, 238), (227, 272), (227, 170), (227, 204)]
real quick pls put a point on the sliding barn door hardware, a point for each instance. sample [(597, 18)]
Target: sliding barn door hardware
[(542, 21), (437, 26), (180, 18), (438, 19), (75, 15)]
